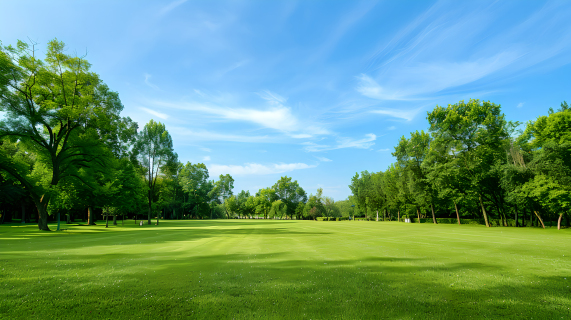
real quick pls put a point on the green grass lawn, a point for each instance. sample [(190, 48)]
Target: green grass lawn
[(284, 269)]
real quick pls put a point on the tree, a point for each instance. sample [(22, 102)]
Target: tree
[(331, 210), (231, 206), (314, 206), (60, 111), (264, 199), (290, 193), (153, 149), (411, 153), (278, 209), (476, 133)]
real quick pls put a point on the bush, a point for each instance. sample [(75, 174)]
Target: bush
[(321, 218)]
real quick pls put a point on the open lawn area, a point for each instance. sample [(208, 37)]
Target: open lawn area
[(239, 269)]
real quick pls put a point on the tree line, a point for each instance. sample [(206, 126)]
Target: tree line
[(473, 163), (65, 149)]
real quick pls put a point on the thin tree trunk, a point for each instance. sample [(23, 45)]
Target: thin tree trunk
[(41, 205), (398, 213), (433, 216), (377, 215), (107, 220), (484, 212), (516, 216), (523, 224), (418, 214), (539, 218), (115, 219), (457, 213), (559, 222), (90, 216), (23, 221), (158, 216), (150, 205)]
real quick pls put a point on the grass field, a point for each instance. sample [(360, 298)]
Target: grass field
[(284, 269)]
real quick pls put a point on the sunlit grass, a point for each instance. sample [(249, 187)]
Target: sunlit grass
[(284, 269)]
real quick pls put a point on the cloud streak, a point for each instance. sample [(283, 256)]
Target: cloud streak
[(277, 116), (256, 168), (155, 113), (407, 115), (204, 135), (148, 82), (342, 143), (450, 46)]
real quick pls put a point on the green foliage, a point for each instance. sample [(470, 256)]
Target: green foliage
[(63, 113)]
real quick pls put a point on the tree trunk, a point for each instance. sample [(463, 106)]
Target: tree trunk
[(433, 216), (158, 216), (457, 213), (115, 220), (484, 212), (58, 222), (559, 222), (539, 218), (90, 216), (516, 216), (107, 220), (418, 214), (23, 220), (150, 205), (398, 213), (523, 224), (41, 205), (377, 215)]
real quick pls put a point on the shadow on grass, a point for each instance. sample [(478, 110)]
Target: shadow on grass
[(273, 286)]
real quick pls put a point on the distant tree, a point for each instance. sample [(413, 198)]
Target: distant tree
[(153, 149), (290, 193)]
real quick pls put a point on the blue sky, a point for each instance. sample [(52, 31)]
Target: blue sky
[(316, 90)]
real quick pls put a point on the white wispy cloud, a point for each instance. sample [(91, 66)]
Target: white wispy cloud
[(384, 150), (396, 113), (256, 168), (301, 136), (273, 98), (341, 143), (391, 128), (204, 135), (148, 82), (206, 149), (519, 105), (168, 8), (155, 113), (323, 159), (206, 158), (276, 116), (434, 56)]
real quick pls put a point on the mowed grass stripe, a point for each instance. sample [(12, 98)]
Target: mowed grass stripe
[(284, 269)]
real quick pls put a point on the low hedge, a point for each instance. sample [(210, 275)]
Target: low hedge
[(331, 219), (481, 221)]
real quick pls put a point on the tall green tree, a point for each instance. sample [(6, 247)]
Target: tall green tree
[(58, 109), (477, 133), (153, 150)]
